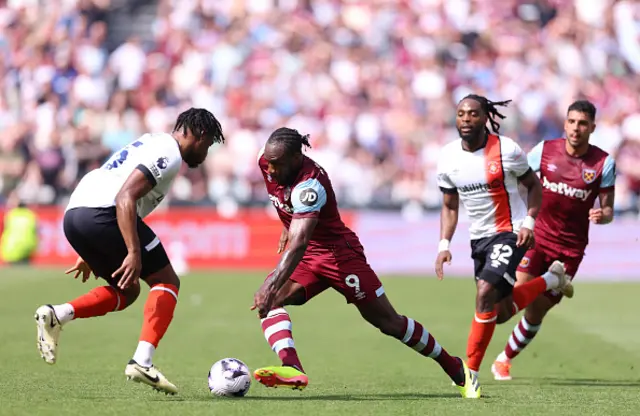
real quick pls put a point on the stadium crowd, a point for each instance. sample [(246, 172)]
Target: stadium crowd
[(373, 82)]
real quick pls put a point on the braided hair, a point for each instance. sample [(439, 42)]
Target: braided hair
[(201, 123), (291, 139), (489, 108)]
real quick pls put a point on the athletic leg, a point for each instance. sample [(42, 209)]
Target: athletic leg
[(277, 329), (352, 276), (485, 320), (83, 231), (495, 261), (380, 313), (159, 309), (529, 325)]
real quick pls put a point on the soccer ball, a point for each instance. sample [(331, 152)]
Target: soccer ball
[(229, 377)]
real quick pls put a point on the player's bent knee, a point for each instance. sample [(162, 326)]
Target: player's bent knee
[(130, 294), (165, 276), (291, 294), (295, 299), (380, 313)]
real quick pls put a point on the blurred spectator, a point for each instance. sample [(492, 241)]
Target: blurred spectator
[(13, 159), (629, 169), (19, 237), (374, 83)]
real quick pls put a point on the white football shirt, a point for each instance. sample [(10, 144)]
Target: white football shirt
[(156, 155), (487, 182)]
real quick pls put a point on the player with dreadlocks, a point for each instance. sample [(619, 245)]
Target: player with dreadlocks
[(482, 169), (319, 252), (103, 223)]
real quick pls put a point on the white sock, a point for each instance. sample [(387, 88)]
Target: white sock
[(503, 358), (64, 312), (552, 280), (144, 354)]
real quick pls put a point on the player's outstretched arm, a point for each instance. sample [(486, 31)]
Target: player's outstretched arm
[(448, 224), (534, 201), (300, 232), (136, 186)]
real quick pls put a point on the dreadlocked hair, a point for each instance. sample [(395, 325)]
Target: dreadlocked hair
[(201, 123), (490, 109), (291, 139)]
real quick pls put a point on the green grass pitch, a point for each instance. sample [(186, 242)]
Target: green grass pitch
[(582, 363)]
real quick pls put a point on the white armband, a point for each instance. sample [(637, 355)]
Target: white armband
[(443, 245), (529, 222)]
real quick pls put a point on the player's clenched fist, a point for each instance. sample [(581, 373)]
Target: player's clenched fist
[(595, 215), (443, 257)]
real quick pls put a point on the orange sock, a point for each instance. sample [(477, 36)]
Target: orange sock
[(526, 293), (482, 327), (99, 301), (158, 312)]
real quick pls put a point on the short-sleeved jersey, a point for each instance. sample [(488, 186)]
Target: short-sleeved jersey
[(487, 182), (310, 195), (570, 188), (156, 155)]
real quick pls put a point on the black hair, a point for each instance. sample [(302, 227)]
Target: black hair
[(201, 123), (490, 109), (291, 139), (584, 106)]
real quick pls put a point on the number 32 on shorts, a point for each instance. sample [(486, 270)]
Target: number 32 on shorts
[(501, 254), (353, 282)]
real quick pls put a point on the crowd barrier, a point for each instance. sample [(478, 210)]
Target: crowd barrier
[(202, 239)]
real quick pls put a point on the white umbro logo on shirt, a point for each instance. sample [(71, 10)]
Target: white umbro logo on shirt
[(552, 167)]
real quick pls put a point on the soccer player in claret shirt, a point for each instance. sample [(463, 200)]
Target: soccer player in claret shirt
[(482, 169), (103, 223), (323, 253), (574, 175)]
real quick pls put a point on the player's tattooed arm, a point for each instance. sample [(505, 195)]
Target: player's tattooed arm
[(136, 186), (604, 214)]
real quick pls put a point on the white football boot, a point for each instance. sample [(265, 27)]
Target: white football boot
[(48, 333), (150, 376), (564, 280)]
